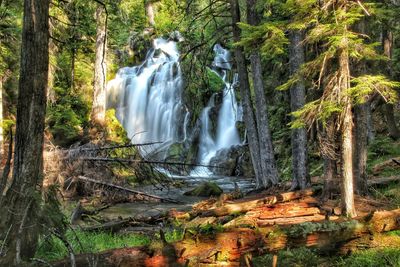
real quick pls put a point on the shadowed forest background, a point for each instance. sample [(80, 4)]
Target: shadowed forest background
[(199, 133)]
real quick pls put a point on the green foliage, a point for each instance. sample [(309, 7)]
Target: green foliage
[(320, 110), (115, 132), (372, 257), (365, 85), (67, 118), (215, 83), (270, 35), (52, 248)]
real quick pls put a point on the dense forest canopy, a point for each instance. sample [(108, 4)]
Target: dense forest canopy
[(309, 91)]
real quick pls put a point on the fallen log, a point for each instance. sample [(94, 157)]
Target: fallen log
[(247, 204), (140, 161), (86, 179), (388, 163), (229, 247), (383, 180), (113, 226)]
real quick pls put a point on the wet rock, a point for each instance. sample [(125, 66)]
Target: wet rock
[(176, 36), (206, 189), (233, 161)]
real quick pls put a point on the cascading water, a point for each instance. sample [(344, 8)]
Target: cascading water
[(147, 98), (227, 134), (148, 103)]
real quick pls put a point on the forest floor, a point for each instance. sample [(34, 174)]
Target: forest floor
[(292, 228)]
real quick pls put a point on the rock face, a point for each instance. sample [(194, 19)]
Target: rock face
[(206, 189), (233, 161)]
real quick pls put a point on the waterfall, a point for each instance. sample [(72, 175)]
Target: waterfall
[(148, 103), (226, 135), (147, 98)]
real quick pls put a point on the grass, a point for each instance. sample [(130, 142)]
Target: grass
[(372, 257), (305, 257), (86, 242), (82, 242)]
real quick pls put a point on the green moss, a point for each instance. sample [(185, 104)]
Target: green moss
[(206, 189)]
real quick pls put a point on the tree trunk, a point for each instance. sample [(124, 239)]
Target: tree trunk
[(360, 130), (370, 124), (19, 206), (99, 94), (347, 138), (360, 150), (301, 179), (387, 43), (267, 158), (149, 7), (245, 95), (1, 122)]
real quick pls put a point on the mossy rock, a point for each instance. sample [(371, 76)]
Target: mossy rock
[(206, 189)]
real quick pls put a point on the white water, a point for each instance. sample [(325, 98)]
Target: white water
[(227, 134), (148, 103), (147, 98)]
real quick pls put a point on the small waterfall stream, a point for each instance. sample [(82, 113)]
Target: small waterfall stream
[(148, 103)]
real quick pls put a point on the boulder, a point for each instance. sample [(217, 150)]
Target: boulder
[(233, 161)]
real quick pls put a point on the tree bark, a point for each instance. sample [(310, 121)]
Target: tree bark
[(387, 43), (19, 206), (346, 138), (244, 85), (360, 150), (267, 158), (1, 121), (99, 94), (360, 130), (301, 179)]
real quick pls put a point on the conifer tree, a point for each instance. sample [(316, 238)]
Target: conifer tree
[(330, 24)]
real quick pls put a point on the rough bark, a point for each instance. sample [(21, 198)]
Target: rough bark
[(329, 156), (360, 130), (1, 121), (360, 149), (244, 205), (244, 85), (347, 188), (267, 158), (99, 94), (18, 206), (387, 43), (297, 100)]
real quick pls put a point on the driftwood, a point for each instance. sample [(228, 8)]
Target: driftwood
[(228, 248), (128, 190)]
